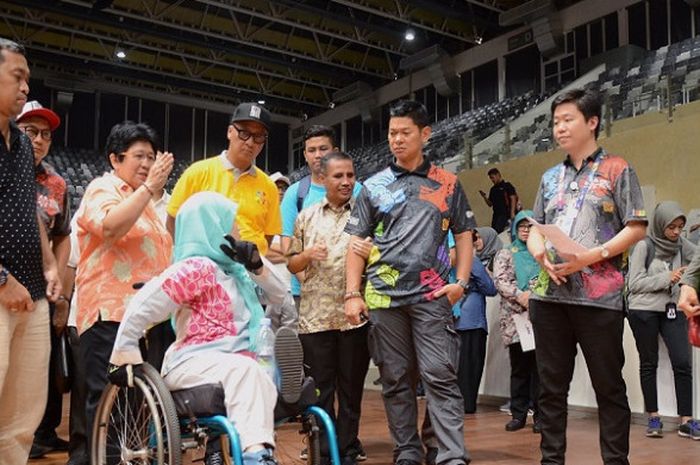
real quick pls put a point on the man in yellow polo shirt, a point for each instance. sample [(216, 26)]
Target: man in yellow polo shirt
[(233, 173)]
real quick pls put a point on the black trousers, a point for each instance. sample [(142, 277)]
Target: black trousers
[(524, 382), (472, 355), (499, 222), (338, 362), (54, 402), (646, 327), (78, 446), (95, 349), (558, 328)]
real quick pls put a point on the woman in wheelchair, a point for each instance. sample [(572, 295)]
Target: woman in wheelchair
[(211, 290)]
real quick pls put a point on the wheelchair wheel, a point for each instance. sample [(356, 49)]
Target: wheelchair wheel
[(313, 440), (137, 425)]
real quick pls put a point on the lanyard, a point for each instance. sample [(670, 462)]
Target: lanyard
[(582, 194)]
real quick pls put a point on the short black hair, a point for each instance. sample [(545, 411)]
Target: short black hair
[(10, 46), (587, 101), (320, 130), (411, 109), (334, 155), (124, 135), (493, 171)]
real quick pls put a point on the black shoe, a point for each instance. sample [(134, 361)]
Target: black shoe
[(55, 443), (406, 462), (348, 460), (515, 425), (214, 458), (213, 454), (38, 451), (431, 456), (78, 460)]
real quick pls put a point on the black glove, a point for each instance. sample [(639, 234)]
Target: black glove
[(244, 252), (123, 375)]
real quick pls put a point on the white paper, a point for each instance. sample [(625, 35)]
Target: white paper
[(525, 332), (566, 247)]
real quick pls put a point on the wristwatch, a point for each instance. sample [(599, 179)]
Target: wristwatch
[(3, 275), (464, 284)]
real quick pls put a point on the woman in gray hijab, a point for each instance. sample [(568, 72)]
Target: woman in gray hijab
[(655, 268), (486, 245)]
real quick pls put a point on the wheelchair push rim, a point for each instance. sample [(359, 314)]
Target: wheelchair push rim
[(136, 425)]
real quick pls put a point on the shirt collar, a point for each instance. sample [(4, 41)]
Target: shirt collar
[(236, 172), (346, 206), (590, 158), (15, 133), (119, 182), (422, 170), (164, 199)]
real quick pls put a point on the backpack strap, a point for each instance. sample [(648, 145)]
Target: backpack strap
[(651, 251), (303, 191)]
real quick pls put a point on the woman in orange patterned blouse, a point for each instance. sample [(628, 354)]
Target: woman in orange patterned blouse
[(122, 242)]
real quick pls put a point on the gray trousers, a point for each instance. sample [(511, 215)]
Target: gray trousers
[(409, 341)]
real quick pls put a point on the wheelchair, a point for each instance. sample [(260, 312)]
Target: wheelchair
[(149, 424)]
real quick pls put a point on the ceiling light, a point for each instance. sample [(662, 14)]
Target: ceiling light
[(121, 54), (410, 35), (261, 102)]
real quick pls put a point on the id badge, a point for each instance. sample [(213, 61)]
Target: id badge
[(670, 311), (566, 221)]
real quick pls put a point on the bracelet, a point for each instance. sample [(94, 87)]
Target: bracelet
[(148, 189), (352, 294)]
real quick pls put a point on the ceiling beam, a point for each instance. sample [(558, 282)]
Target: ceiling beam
[(222, 37), (175, 53), (159, 74), (486, 4), (276, 17), (402, 19)]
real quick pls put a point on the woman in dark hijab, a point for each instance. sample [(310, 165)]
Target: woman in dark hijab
[(656, 265)]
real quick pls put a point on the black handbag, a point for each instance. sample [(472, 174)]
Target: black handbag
[(62, 363)]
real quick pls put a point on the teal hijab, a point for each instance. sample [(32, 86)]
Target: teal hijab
[(200, 226), (526, 267)]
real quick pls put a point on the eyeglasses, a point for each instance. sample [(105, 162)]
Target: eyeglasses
[(140, 156), (244, 135), (33, 131), (524, 227)]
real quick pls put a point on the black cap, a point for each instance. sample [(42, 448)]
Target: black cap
[(250, 111)]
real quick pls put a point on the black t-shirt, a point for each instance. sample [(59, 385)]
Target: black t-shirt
[(20, 244), (499, 195)]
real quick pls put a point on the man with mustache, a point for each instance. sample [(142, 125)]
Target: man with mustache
[(335, 351)]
